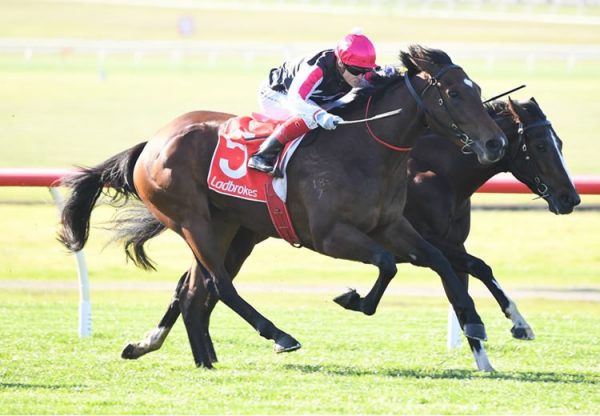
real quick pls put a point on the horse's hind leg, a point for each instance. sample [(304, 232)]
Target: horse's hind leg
[(201, 236), (154, 339), (198, 322), (196, 307), (196, 304), (241, 247)]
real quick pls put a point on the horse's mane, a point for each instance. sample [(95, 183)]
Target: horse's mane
[(418, 58), (497, 108), (378, 84), (500, 108)]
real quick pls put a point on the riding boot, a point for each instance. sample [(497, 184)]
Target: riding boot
[(264, 160)]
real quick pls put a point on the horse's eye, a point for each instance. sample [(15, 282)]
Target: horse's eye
[(541, 147), (453, 94)]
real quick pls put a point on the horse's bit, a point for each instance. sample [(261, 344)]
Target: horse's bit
[(434, 82)]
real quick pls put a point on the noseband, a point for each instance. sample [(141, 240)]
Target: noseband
[(434, 82), (543, 190)]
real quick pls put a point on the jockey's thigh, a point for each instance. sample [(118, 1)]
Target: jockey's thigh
[(278, 106), (273, 103)]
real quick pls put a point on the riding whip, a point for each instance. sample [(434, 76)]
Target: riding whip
[(378, 116), (504, 93)]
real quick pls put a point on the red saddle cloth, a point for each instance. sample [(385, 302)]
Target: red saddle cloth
[(239, 138)]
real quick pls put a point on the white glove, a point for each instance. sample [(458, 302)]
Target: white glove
[(327, 120)]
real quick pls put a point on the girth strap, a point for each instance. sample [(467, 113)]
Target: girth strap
[(280, 216)]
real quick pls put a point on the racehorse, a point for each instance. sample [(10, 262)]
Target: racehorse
[(346, 195), (441, 182)]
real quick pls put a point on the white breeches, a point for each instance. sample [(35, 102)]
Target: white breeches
[(279, 106)]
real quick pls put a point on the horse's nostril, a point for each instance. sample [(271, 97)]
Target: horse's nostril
[(570, 200), (493, 145)]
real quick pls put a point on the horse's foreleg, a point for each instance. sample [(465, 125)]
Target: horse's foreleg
[(410, 246), (520, 329), (480, 355), (154, 339), (465, 262), (347, 242)]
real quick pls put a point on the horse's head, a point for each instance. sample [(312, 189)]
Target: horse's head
[(452, 102), (535, 157)]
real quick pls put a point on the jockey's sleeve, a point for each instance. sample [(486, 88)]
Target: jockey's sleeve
[(305, 82)]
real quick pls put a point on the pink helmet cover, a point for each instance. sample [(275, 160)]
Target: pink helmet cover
[(356, 50)]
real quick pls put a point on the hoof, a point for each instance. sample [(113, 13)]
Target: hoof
[(349, 300), (130, 352), (525, 334), (205, 365), (487, 369), (475, 331), (286, 344)]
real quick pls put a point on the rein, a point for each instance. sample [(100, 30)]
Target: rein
[(377, 117), (374, 136), (433, 82)]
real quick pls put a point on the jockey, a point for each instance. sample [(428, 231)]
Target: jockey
[(297, 92)]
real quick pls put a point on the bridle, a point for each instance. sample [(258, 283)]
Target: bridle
[(434, 82), (543, 190)]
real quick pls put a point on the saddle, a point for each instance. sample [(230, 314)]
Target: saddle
[(239, 138)]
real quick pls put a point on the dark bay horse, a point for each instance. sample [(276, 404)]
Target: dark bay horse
[(441, 182), (346, 195)]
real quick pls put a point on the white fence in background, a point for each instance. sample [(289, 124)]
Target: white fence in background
[(357, 6), (247, 53)]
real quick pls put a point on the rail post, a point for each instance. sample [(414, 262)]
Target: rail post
[(85, 306)]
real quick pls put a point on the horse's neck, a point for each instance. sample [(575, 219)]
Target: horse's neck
[(463, 173), (483, 173), (400, 131)]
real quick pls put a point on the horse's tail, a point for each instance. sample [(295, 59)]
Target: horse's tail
[(133, 227), (87, 185)]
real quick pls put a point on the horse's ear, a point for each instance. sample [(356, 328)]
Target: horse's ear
[(411, 65), (513, 108), (533, 99), (420, 58), (518, 111)]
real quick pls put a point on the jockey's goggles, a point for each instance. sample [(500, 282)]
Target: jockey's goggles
[(357, 70)]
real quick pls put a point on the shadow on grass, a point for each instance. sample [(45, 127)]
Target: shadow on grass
[(32, 386), (526, 376)]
